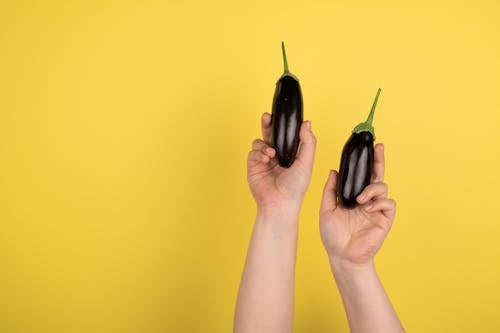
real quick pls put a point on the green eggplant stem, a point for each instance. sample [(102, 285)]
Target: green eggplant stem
[(369, 120), (367, 125), (285, 62)]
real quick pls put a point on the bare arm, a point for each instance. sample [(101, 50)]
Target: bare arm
[(367, 306), (266, 295), (351, 238)]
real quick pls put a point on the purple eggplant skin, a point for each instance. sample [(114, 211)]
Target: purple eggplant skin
[(286, 119), (356, 162), (356, 167), (287, 116)]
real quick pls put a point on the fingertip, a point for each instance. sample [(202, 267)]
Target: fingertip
[(270, 151), (329, 199), (306, 133), (266, 119), (379, 164), (303, 128), (308, 125), (361, 197), (332, 179), (307, 145), (266, 127), (380, 149), (372, 192)]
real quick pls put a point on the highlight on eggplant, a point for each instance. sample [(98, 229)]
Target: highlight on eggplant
[(356, 163), (287, 115)]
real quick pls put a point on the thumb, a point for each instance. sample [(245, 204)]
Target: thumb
[(307, 146), (329, 200)]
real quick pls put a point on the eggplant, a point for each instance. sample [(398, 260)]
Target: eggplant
[(356, 163), (287, 115)]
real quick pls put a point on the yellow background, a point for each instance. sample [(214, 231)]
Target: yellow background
[(124, 130)]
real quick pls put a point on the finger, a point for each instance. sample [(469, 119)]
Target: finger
[(373, 192), (307, 145), (379, 164), (385, 206), (266, 127), (260, 145), (329, 200), (257, 156)]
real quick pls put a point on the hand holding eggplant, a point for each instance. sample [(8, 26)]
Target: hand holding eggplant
[(277, 189), (353, 235), (266, 293)]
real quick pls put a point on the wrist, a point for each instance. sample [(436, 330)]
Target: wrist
[(343, 267), (353, 278), (278, 219), (278, 211)]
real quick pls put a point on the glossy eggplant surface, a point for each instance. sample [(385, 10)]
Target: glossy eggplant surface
[(287, 116), (356, 167), (356, 163)]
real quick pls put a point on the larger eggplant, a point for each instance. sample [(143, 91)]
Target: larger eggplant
[(356, 163), (286, 115)]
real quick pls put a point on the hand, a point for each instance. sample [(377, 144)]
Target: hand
[(353, 236), (272, 186)]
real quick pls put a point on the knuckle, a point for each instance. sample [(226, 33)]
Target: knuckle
[(393, 203), (251, 154), (256, 143)]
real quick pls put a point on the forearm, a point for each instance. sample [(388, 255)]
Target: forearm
[(266, 295), (367, 305)]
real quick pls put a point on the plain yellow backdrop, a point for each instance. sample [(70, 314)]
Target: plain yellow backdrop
[(124, 131)]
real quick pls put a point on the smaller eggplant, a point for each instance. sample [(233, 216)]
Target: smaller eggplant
[(286, 115), (356, 163)]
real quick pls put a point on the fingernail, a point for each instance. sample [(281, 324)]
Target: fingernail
[(361, 197), (308, 123), (369, 207)]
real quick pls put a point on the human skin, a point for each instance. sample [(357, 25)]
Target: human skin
[(351, 238), (266, 296)]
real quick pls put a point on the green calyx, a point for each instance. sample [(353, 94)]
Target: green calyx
[(367, 125), (286, 72)]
